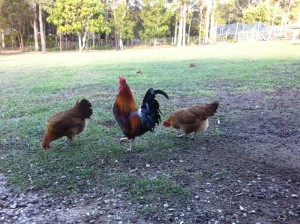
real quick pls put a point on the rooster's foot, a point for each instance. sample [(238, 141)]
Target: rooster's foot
[(124, 140)]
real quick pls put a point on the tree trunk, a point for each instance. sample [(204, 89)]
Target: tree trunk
[(93, 40), (179, 39), (106, 39), (60, 43), (84, 41), (117, 42), (287, 16), (207, 21), (184, 24), (200, 23), (175, 32), (42, 32), (21, 42), (79, 43), (273, 19), (212, 23), (121, 44), (298, 18), (189, 32), (35, 27), (2, 39)]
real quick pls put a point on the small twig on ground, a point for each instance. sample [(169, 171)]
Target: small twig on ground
[(281, 217), (109, 195), (12, 199)]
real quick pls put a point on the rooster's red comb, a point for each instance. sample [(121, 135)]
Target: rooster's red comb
[(122, 79)]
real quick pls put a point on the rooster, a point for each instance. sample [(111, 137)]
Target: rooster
[(133, 121), (67, 123), (193, 119)]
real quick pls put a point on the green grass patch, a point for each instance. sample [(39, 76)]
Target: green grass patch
[(35, 86)]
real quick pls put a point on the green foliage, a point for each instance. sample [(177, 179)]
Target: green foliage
[(256, 14), (122, 21), (227, 12), (155, 20), (295, 11), (76, 17), (14, 14)]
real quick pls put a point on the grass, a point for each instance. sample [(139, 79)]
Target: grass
[(34, 86)]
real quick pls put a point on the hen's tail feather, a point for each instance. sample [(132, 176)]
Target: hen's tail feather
[(85, 108), (150, 108)]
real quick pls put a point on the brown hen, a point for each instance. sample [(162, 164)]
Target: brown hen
[(193, 119), (67, 123)]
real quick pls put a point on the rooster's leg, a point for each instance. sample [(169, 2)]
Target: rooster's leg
[(122, 140), (131, 146)]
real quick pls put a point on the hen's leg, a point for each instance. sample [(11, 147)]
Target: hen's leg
[(66, 143), (193, 136), (182, 135)]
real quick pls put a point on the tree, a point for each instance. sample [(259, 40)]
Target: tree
[(207, 19), (189, 21), (242, 5), (155, 20), (3, 24), (228, 12), (180, 24), (184, 16), (16, 17), (122, 22), (34, 24), (256, 14), (42, 31), (212, 33), (80, 17)]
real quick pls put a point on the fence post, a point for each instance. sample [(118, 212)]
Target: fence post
[(236, 30)]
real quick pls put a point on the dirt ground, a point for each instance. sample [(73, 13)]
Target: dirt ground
[(247, 173)]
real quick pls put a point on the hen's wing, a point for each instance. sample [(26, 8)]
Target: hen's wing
[(65, 122), (184, 116)]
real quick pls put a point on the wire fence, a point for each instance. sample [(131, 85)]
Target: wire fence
[(236, 32), (257, 31)]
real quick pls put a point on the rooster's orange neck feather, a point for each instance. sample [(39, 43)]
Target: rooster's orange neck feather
[(125, 101)]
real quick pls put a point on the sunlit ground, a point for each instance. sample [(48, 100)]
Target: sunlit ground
[(253, 50)]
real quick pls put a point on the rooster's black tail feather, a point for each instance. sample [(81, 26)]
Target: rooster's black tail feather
[(150, 108)]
